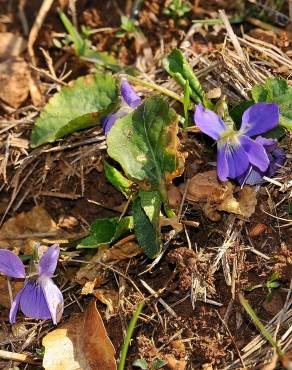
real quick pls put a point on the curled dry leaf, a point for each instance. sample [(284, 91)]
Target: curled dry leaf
[(35, 221), (174, 196), (217, 196), (257, 230), (174, 364), (14, 81), (11, 45), (110, 298), (80, 344)]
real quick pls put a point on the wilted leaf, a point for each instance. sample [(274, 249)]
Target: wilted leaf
[(118, 180), (106, 230), (35, 221), (219, 196), (145, 144), (11, 45), (76, 107), (178, 67), (277, 91), (81, 344), (14, 81)]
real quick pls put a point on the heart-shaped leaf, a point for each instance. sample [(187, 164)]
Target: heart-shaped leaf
[(145, 144), (76, 107)]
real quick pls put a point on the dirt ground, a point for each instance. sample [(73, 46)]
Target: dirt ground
[(207, 330)]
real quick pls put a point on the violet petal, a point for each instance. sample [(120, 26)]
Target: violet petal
[(222, 165), (10, 264), (256, 153), (110, 120), (259, 118), (129, 94), (54, 299), (49, 260), (33, 303), (237, 161), (208, 122), (14, 307)]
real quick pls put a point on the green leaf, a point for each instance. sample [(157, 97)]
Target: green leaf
[(76, 107), (119, 181), (146, 234), (278, 91), (77, 40), (145, 144), (186, 102), (151, 203), (178, 67), (106, 230), (158, 363), (141, 363)]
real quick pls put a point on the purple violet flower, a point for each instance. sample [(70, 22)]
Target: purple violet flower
[(236, 151), (277, 157), (130, 99), (40, 298)]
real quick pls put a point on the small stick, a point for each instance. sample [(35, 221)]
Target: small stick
[(19, 357), (232, 35)]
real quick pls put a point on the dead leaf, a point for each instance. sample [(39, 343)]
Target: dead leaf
[(272, 364), (174, 364), (174, 196), (173, 222), (244, 205), (11, 45), (110, 298), (214, 93), (35, 221), (219, 196), (4, 294), (80, 344), (95, 273), (257, 230), (14, 81), (124, 251)]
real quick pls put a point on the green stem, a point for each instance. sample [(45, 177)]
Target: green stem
[(259, 325), (129, 335), (153, 86)]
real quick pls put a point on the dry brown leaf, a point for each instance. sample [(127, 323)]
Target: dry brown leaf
[(95, 272), (35, 221), (11, 45), (14, 81), (244, 205), (257, 230), (80, 344), (174, 364), (174, 196), (110, 298), (219, 196), (4, 294), (124, 251)]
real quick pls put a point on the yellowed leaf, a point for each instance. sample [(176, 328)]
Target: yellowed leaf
[(174, 364), (35, 221), (80, 344)]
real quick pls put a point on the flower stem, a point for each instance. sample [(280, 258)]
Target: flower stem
[(129, 335), (153, 86)]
